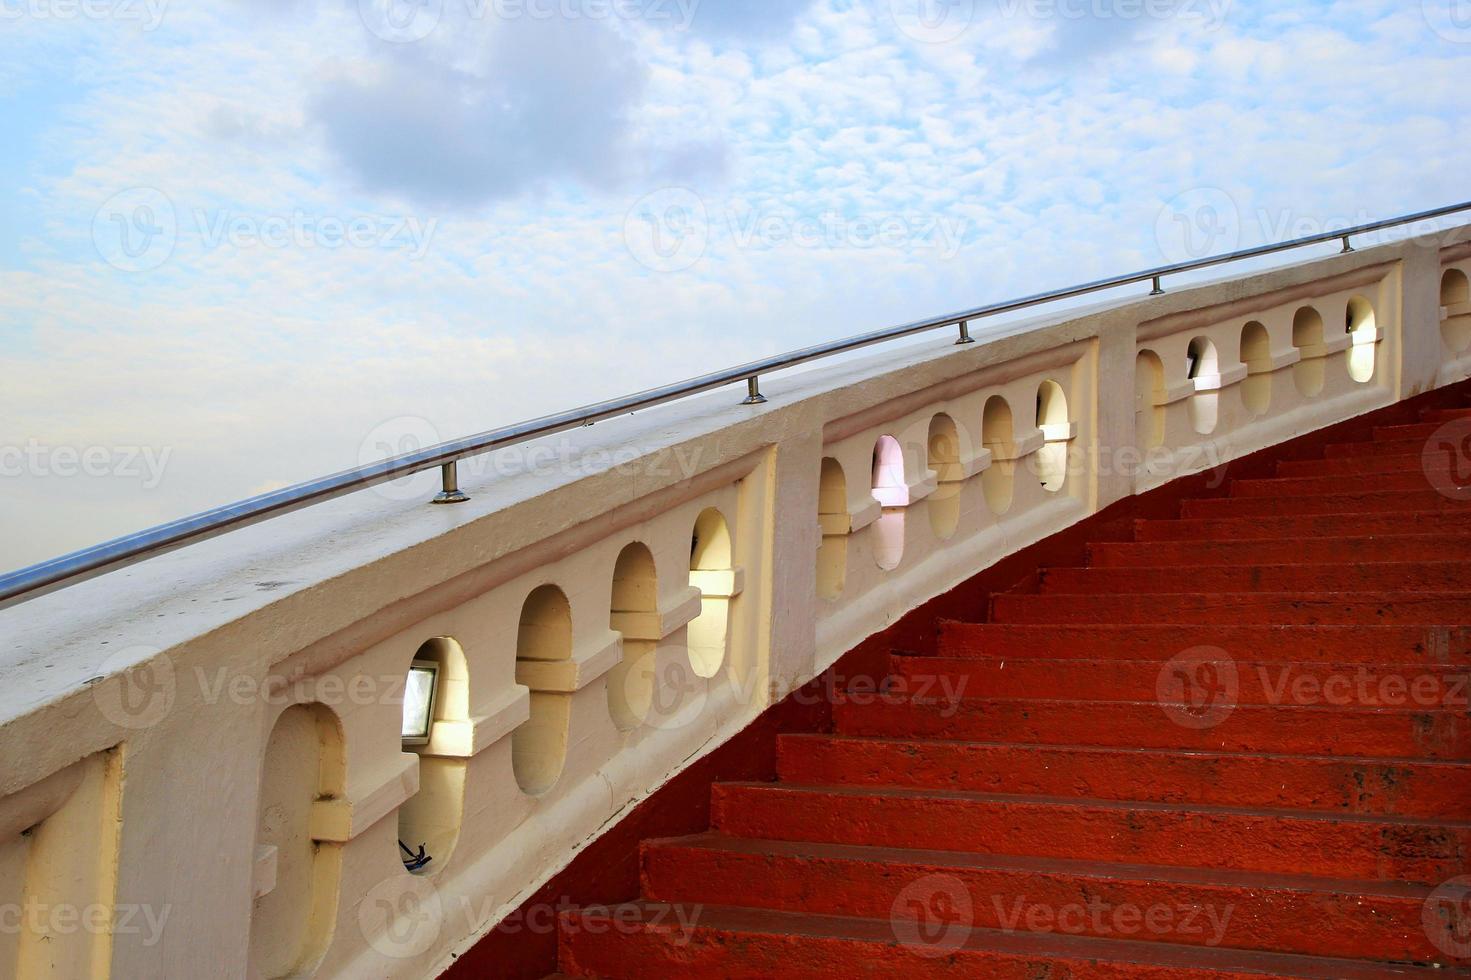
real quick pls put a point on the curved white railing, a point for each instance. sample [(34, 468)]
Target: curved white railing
[(204, 752)]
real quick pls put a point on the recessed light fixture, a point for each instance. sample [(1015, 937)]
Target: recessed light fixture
[(419, 694)]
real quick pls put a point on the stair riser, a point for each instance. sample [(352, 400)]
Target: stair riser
[(1406, 433), (1301, 609), (1403, 789), (1334, 644), (1247, 842), (1193, 554), (1439, 415), (1348, 505), (1389, 447), (1359, 577), (1344, 466), (1305, 526), (1331, 485), (1304, 922), (1311, 684), (598, 949), (1288, 731)]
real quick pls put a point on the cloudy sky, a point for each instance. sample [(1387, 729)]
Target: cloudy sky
[(247, 242)]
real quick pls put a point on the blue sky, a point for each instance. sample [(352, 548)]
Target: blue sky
[(250, 237)]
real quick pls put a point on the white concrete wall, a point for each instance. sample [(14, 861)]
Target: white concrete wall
[(206, 747)]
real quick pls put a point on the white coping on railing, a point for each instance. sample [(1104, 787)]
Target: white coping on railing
[(135, 702)]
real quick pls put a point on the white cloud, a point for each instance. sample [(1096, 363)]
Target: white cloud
[(258, 365)]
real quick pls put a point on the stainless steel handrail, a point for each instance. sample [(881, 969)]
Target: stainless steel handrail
[(58, 573)]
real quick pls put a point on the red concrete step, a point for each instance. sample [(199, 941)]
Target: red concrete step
[(1278, 487), (1406, 433), (1341, 644), (1241, 839), (1301, 526), (649, 940), (1379, 548), (1286, 913), (1215, 724), (1288, 608), (1388, 447), (1402, 787), (1445, 414), (1365, 576), (1353, 466), (1349, 504), (1326, 684)]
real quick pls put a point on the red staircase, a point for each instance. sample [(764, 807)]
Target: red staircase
[(1235, 746)]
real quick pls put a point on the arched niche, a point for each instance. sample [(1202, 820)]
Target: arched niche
[(543, 636), (1256, 354), (1361, 324), (712, 572), (1149, 398), (431, 818), (944, 460), (1202, 361), (891, 490), (1052, 419), (997, 435), (292, 913), (1307, 337), (833, 524), (634, 614), (1455, 325)]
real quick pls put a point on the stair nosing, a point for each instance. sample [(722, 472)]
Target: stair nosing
[(1085, 802)]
